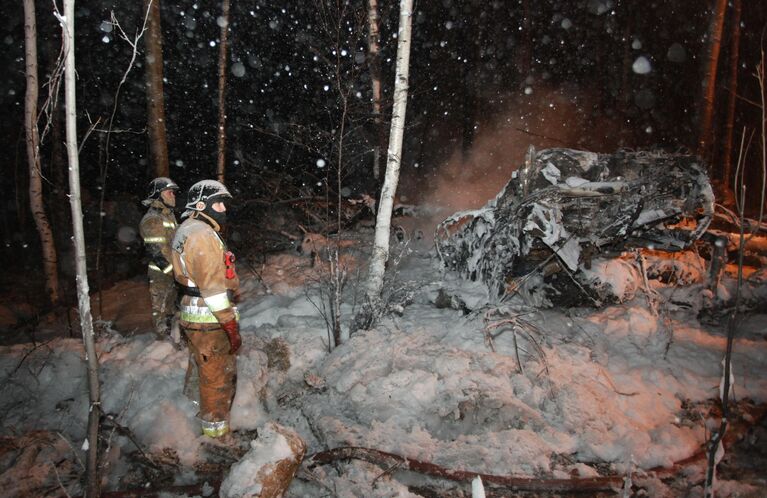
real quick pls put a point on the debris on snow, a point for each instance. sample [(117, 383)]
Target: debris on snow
[(560, 394), (608, 203)]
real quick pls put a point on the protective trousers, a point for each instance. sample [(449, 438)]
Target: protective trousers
[(217, 376), (162, 292)]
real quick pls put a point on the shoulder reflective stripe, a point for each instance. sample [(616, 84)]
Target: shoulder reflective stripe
[(168, 224), (168, 269), (153, 266), (183, 269), (153, 240), (217, 302)]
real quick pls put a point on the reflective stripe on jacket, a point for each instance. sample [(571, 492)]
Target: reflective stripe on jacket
[(168, 268), (215, 429), (198, 311), (198, 261), (157, 228)]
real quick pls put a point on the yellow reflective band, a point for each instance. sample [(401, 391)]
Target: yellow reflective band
[(200, 314), (215, 429), (154, 240), (168, 224), (190, 317), (166, 270), (217, 302)]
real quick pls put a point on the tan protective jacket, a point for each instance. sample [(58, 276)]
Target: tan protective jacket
[(157, 228), (199, 262)]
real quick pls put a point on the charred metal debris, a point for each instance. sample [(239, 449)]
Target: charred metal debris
[(565, 208)]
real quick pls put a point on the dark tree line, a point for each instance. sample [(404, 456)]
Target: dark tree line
[(471, 62)]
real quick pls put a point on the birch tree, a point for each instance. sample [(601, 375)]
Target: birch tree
[(83, 299), (36, 203), (394, 155), (155, 99), (705, 138), (375, 79), (223, 22)]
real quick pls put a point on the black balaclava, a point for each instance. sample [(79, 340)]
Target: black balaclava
[(219, 218)]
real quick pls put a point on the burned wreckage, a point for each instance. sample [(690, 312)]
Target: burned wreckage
[(565, 210)]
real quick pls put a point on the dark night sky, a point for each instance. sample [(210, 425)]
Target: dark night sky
[(487, 79)]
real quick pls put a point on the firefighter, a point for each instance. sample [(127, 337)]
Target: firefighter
[(157, 228), (205, 274)]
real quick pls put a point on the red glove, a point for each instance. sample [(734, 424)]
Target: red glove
[(232, 329)]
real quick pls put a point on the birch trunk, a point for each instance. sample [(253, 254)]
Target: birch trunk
[(383, 217), (83, 298), (224, 22), (705, 139), (155, 99), (36, 204), (737, 8), (375, 79)]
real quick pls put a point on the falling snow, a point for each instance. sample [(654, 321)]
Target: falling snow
[(626, 383), (641, 65)]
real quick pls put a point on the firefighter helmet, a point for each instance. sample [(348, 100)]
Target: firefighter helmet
[(157, 186), (203, 191)]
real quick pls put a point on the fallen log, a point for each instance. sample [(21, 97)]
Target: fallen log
[(398, 462), (750, 414)]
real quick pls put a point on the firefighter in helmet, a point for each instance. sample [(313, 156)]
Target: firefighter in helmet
[(205, 274), (157, 228)]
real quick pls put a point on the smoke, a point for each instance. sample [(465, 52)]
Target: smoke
[(543, 118)]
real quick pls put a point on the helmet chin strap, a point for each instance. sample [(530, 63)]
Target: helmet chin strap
[(206, 215)]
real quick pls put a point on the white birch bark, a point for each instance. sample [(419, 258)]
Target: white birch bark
[(36, 204), (83, 298), (383, 217)]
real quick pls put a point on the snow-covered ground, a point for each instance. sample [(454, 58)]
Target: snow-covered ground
[(508, 391)]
